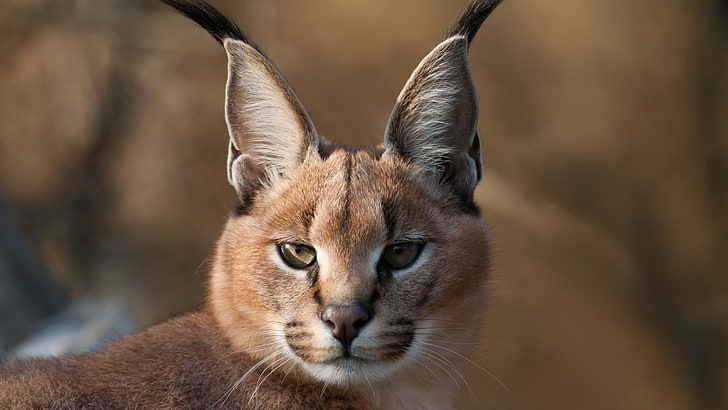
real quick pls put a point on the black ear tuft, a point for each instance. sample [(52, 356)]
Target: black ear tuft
[(209, 18), (473, 18)]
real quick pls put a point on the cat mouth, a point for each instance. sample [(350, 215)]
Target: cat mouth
[(346, 359), (344, 356)]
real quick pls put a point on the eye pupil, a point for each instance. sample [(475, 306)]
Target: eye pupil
[(296, 255)]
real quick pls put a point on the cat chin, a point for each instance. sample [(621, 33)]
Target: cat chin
[(349, 371)]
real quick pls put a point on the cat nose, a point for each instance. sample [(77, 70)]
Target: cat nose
[(346, 321)]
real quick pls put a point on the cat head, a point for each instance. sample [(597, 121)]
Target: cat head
[(349, 264)]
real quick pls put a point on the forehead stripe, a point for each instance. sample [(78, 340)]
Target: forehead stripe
[(389, 213), (346, 211)]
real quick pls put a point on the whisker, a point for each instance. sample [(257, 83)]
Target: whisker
[(446, 339), (371, 388), (471, 362), (203, 263), (436, 326), (270, 369), (290, 369), (323, 390), (431, 358), (250, 371), (437, 376), (265, 321), (509, 346), (454, 369), (464, 332), (432, 319), (259, 348)]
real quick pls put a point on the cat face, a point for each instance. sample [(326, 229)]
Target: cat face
[(346, 264), (379, 241)]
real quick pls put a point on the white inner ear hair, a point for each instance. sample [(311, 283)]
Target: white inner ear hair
[(262, 122), (428, 105)]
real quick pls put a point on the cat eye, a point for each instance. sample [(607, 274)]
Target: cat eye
[(401, 255), (296, 255)]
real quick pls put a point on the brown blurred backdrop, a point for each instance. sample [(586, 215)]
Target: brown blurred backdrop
[(605, 128)]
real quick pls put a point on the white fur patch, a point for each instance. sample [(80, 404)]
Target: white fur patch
[(427, 108)]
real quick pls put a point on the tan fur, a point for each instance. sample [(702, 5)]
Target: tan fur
[(445, 297), (261, 340)]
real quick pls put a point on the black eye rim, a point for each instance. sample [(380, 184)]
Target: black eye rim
[(293, 264), (420, 246)]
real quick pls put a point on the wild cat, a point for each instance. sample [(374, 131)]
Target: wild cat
[(345, 278)]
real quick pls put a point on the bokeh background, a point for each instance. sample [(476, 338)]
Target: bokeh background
[(605, 130)]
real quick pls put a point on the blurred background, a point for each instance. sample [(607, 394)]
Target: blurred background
[(605, 131)]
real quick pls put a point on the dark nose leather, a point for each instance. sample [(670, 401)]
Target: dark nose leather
[(346, 321)]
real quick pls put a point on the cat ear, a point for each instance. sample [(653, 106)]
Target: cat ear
[(270, 131), (433, 123)]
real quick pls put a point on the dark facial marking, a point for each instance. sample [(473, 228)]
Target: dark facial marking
[(317, 296), (389, 212), (346, 216), (313, 274), (426, 295)]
